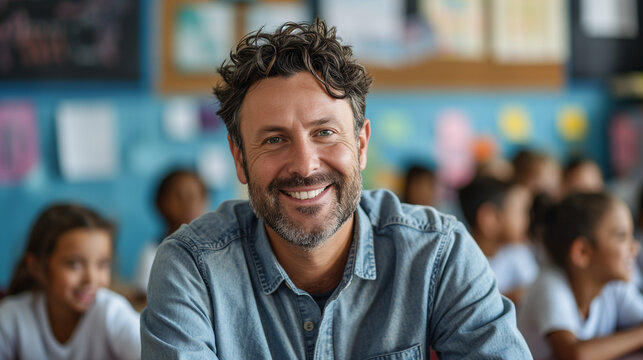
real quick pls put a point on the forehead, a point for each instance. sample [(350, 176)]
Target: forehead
[(616, 216), (299, 97), (83, 241)]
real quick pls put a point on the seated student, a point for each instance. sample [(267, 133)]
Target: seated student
[(498, 214), (638, 270), (180, 198), (57, 305), (496, 167), (539, 172), (581, 306), (582, 175), (420, 186)]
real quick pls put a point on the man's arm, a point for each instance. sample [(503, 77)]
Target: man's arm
[(177, 323), (470, 319)]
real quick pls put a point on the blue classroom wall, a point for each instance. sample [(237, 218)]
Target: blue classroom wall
[(146, 152)]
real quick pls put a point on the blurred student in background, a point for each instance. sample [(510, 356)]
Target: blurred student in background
[(539, 172), (420, 186), (58, 306), (497, 167), (638, 231), (582, 174), (180, 198), (581, 306), (498, 215)]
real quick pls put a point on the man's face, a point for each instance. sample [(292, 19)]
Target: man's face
[(302, 160)]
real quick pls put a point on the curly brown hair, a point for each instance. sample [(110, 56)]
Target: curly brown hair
[(294, 47)]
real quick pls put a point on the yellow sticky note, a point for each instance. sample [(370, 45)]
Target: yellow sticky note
[(515, 124), (572, 123)]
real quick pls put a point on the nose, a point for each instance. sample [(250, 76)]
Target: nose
[(303, 157), (92, 275)]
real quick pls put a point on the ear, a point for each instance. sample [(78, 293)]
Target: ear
[(488, 220), (237, 155), (580, 252), (35, 268), (363, 136)]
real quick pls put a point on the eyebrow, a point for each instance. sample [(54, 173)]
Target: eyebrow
[(278, 128)]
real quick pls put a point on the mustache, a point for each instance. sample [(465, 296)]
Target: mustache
[(298, 180)]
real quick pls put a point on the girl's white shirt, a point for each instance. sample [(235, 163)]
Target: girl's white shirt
[(108, 330), (549, 305)]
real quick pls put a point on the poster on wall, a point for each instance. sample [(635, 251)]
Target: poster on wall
[(203, 36), (18, 140), (86, 137), (60, 40)]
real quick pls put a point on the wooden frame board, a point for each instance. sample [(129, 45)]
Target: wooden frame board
[(426, 74)]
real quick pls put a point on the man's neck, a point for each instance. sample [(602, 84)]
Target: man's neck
[(320, 270)]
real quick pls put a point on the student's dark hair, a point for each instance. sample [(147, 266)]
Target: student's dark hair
[(479, 191), (576, 162), (577, 215), (51, 224), (538, 214), (169, 179), (524, 162), (413, 172), (293, 48)]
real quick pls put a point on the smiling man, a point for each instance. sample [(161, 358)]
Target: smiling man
[(312, 267)]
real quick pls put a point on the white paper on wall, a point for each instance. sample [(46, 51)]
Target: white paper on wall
[(214, 165), (609, 19), (87, 141), (181, 120), (529, 31)]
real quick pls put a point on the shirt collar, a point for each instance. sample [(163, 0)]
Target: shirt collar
[(271, 274)]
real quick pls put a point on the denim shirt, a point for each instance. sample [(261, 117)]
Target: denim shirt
[(414, 279)]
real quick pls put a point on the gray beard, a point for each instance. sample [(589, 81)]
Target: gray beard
[(265, 204)]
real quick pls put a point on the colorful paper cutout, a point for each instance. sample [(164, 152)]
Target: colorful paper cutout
[(625, 141), (485, 148), (396, 127), (454, 138), (515, 124), (18, 140), (572, 123)]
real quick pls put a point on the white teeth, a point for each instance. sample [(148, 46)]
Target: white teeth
[(303, 195)]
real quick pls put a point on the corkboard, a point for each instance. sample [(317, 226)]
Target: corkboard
[(427, 74), (170, 79)]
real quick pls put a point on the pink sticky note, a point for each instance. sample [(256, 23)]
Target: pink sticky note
[(18, 140), (624, 142), (454, 138)]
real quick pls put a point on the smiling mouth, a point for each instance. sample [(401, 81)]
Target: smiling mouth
[(305, 195)]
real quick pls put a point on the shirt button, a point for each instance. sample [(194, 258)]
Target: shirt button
[(309, 326)]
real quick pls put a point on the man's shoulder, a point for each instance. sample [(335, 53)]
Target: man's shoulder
[(384, 209), (232, 220)]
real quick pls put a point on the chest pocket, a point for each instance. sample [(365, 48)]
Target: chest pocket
[(412, 353)]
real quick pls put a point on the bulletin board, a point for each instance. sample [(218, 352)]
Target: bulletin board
[(69, 40), (171, 78), (435, 72)]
